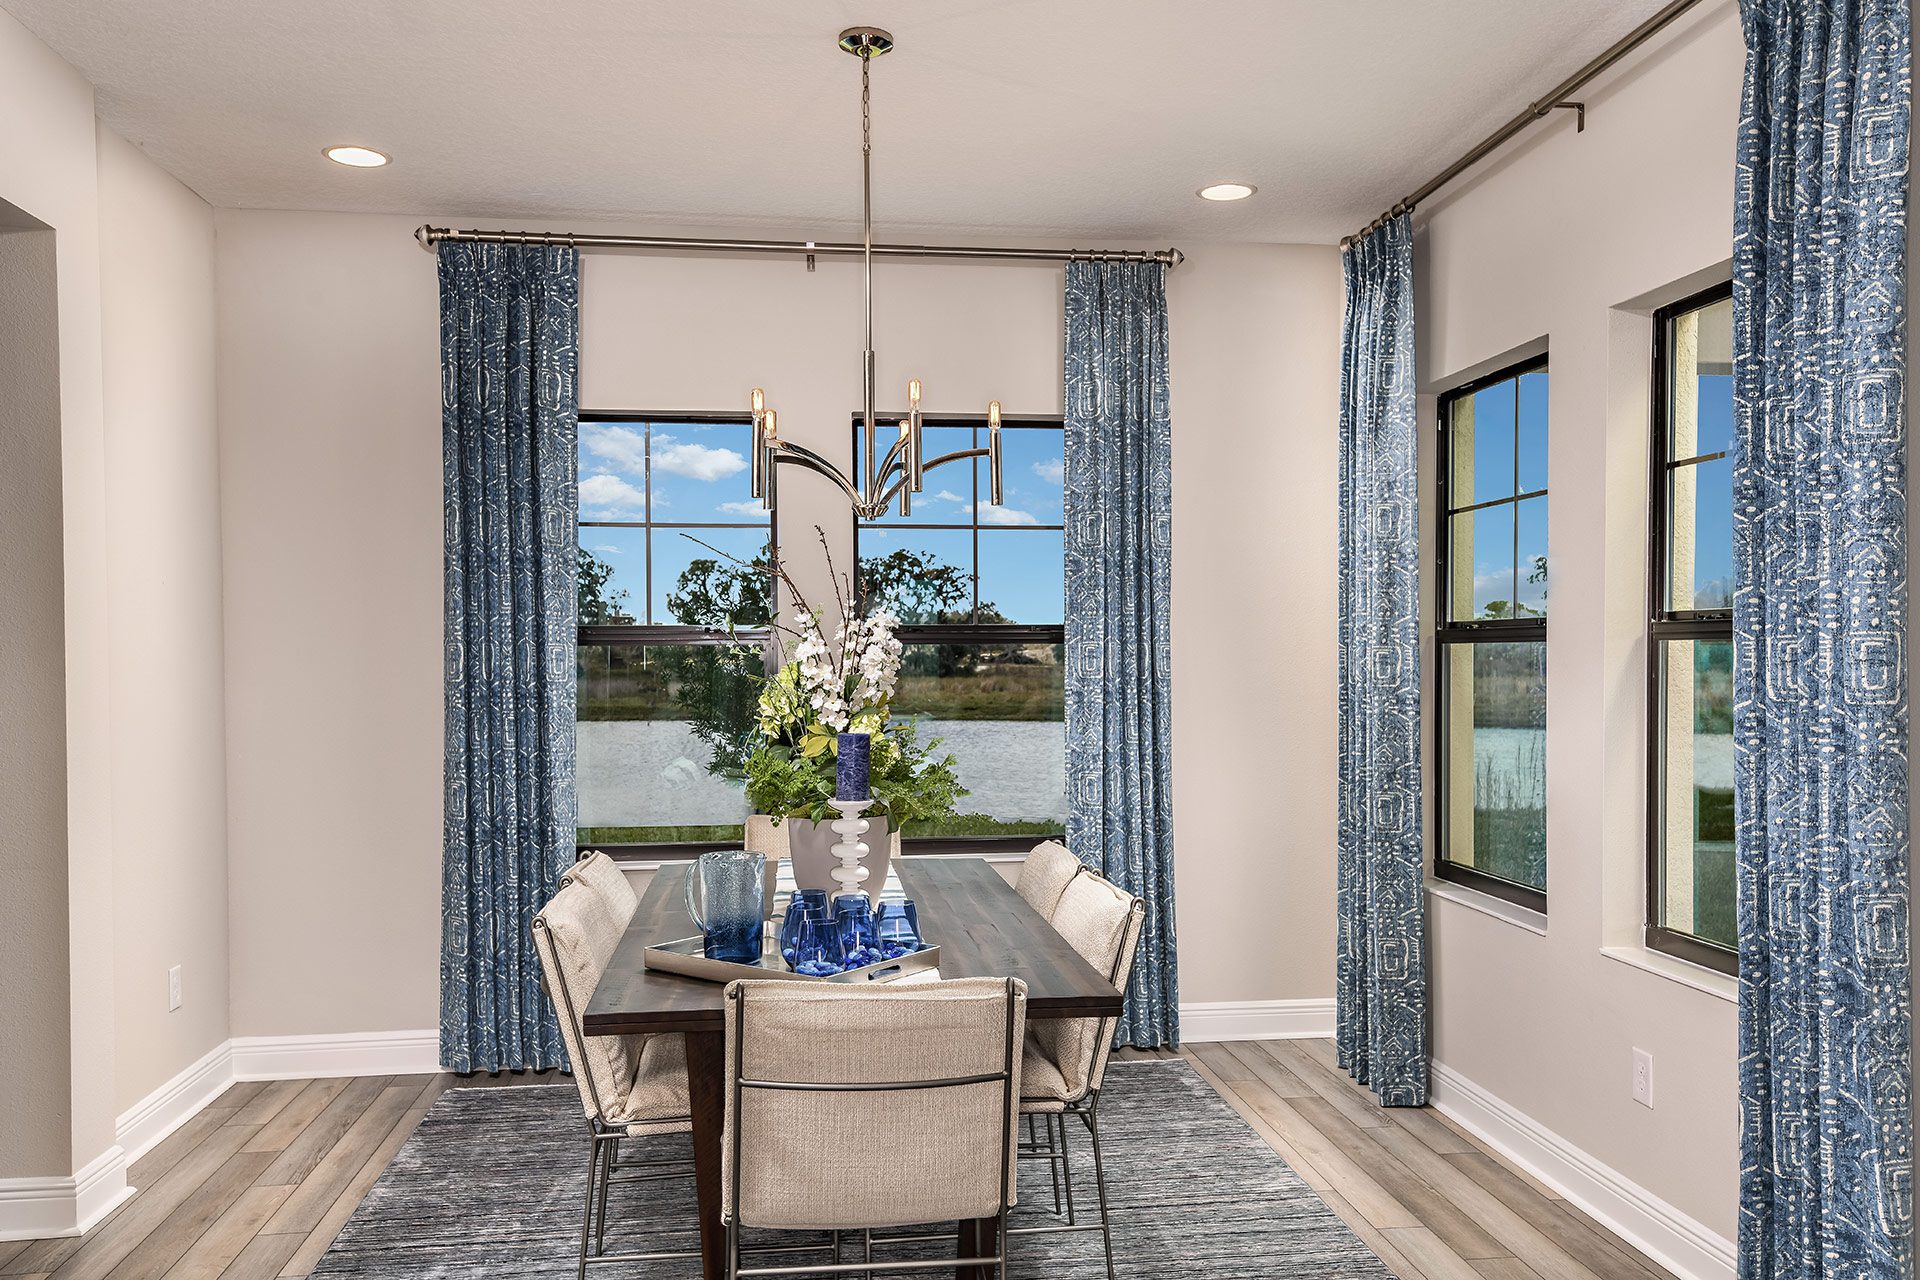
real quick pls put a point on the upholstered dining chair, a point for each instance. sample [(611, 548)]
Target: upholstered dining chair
[(1045, 874), (608, 880), (915, 1088), (629, 1086), (1065, 1059)]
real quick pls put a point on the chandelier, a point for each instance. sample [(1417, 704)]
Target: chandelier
[(901, 472)]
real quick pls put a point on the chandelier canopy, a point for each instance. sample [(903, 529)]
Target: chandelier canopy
[(901, 472)]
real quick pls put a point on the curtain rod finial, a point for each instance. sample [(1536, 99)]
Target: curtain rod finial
[(424, 234)]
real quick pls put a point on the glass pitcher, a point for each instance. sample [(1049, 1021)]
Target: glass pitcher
[(726, 896)]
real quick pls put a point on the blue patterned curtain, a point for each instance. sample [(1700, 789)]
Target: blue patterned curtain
[(1119, 569), (1381, 967), (1819, 629), (509, 329)]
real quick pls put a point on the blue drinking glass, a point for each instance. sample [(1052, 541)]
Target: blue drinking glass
[(816, 946), (897, 926), (804, 901), (853, 913)]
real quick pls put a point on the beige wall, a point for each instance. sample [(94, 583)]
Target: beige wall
[(330, 479), (1572, 238), (47, 171), (163, 524)]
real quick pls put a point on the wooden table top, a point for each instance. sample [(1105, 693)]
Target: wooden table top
[(982, 927)]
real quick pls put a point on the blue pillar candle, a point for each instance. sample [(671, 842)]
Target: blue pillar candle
[(852, 777)]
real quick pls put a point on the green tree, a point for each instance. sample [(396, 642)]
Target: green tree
[(713, 683), (599, 607)]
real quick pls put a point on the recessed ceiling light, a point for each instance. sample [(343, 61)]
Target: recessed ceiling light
[(357, 157), (1228, 191)]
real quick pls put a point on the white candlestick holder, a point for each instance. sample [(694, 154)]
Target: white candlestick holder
[(851, 874)]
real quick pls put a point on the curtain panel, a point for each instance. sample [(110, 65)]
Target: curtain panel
[(1380, 968), (509, 330), (1819, 628), (1119, 568)]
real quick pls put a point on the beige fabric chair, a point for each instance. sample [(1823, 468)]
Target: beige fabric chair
[(1045, 875), (629, 1085), (608, 880), (1065, 1060), (887, 1071)]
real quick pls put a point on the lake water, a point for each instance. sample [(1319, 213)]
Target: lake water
[(654, 772)]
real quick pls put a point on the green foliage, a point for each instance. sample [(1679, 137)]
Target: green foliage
[(915, 587), (715, 686), (908, 783), (598, 606)]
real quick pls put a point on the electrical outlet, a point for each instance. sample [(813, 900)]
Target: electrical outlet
[(1643, 1077), (173, 988)]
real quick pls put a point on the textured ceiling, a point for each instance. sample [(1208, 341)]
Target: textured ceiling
[(1076, 118)]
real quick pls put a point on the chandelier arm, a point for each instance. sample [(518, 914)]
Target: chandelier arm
[(786, 452)]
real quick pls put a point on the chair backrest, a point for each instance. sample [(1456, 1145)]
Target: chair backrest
[(574, 935), (872, 1106), (608, 880), (1100, 921), (1045, 875)]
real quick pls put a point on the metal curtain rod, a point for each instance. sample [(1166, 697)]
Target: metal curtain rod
[(1557, 99), (428, 236)]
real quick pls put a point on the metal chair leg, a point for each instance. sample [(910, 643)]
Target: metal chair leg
[(1100, 1182), (586, 1221), (606, 1174), (1053, 1161), (1066, 1165)]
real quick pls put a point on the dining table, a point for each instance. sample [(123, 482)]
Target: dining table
[(965, 907)]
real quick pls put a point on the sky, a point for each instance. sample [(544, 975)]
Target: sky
[(700, 475)]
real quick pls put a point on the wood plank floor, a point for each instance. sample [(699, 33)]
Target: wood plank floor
[(257, 1185)]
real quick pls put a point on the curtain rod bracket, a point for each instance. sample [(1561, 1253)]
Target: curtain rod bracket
[(1580, 117)]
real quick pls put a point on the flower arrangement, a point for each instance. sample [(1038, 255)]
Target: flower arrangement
[(846, 686)]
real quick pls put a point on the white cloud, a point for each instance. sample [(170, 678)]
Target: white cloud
[(695, 461), (743, 508), (948, 495), (620, 448), (990, 514), (607, 549), (1052, 470), (611, 498)]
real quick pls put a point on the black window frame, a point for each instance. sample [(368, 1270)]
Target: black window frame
[(645, 634), (1666, 624), (1449, 634), (972, 632)]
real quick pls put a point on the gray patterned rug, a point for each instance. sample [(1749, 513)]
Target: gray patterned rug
[(491, 1185)]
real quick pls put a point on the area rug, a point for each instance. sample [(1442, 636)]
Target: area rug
[(492, 1185)]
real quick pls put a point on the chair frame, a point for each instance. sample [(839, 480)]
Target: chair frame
[(1087, 1109), (603, 1148), (1009, 1114)]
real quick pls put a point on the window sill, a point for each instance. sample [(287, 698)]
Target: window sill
[(1487, 905), (1718, 985)]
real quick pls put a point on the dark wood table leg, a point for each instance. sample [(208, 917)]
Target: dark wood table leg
[(707, 1094), (978, 1238)]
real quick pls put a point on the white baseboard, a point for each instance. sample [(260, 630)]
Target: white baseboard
[(142, 1126), (45, 1208), (372, 1053), (1256, 1020), (1678, 1242)]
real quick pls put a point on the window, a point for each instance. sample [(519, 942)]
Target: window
[(1690, 898), (661, 690), (1491, 730), (981, 595)]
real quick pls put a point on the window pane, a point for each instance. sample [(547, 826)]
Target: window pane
[(948, 495), (1022, 576), (1695, 893), (1482, 445), (1530, 521), (700, 473), (1700, 361), (1533, 431), (999, 710), (1032, 476), (923, 575), (613, 471), (1481, 563), (695, 587), (612, 576), (1496, 759), (1700, 544), (651, 720)]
